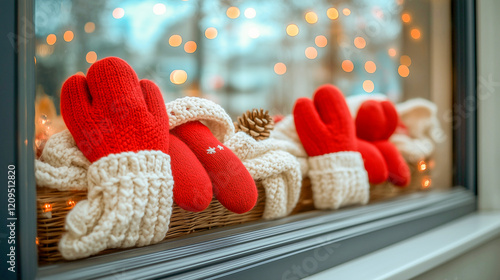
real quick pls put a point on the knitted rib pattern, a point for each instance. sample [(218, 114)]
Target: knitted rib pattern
[(129, 204), (278, 170), (338, 179), (285, 131), (62, 165), (188, 109)]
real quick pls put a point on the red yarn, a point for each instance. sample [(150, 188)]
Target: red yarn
[(325, 126), (376, 121), (192, 186), (110, 111), (232, 184)]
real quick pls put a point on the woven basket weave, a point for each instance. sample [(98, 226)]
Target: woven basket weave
[(54, 205)]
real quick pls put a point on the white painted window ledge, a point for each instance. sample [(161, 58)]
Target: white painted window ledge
[(416, 255)]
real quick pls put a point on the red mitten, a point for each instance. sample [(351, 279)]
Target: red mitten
[(122, 127), (376, 121), (192, 186), (374, 162), (232, 184), (327, 132)]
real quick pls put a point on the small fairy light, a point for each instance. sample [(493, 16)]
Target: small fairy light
[(422, 166), (360, 42), (118, 13), (159, 9), (233, 12), (332, 13), (71, 203), (370, 67), (426, 182), (311, 53), (392, 52), (51, 39), (175, 40), (415, 33), (403, 71), (211, 33), (91, 57), (320, 41), (47, 207), (406, 18), (368, 86), (405, 60), (292, 30), (280, 68), (347, 66), (250, 13), (190, 46), (346, 11), (68, 36), (36, 241), (89, 27), (311, 17), (178, 77)]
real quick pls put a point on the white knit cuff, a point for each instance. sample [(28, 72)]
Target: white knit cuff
[(62, 165), (129, 204), (187, 109), (338, 179)]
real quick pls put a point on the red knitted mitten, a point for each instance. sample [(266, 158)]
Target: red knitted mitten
[(326, 130), (374, 162), (232, 184), (104, 118), (376, 121), (192, 186), (121, 125)]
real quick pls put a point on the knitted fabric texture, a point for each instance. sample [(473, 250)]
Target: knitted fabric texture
[(62, 165), (129, 204), (338, 179), (187, 109), (278, 171), (285, 131)]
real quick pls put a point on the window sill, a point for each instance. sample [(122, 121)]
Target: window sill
[(421, 253)]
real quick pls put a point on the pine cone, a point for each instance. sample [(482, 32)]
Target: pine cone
[(256, 123)]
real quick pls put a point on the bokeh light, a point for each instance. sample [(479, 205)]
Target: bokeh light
[(368, 86), (403, 71), (253, 32), (250, 13), (89, 27), (347, 66), (118, 13), (405, 17), (280, 68), (332, 13), (211, 33), (159, 9), (426, 182), (370, 67), (311, 17), (422, 166), (415, 33), (51, 39), (178, 77), (175, 40), (320, 41), (311, 52), (346, 11), (91, 57), (359, 42), (405, 60), (233, 12), (292, 30), (190, 46), (392, 52), (68, 36)]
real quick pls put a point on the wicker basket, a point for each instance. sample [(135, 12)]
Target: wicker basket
[(54, 205)]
